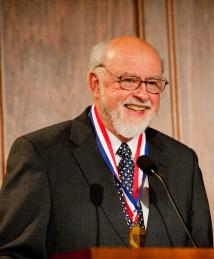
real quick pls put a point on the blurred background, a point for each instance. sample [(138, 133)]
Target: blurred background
[(45, 45)]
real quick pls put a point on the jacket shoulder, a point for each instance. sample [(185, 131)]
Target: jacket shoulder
[(49, 134), (57, 132), (160, 138)]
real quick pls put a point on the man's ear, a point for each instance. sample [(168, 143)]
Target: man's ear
[(93, 82)]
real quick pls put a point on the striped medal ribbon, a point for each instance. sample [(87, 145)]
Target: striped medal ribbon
[(106, 150)]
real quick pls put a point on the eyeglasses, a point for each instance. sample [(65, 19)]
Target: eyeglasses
[(131, 83)]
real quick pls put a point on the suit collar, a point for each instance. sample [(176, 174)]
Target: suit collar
[(94, 170), (81, 128), (82, 133), (157, 206), (157, 150)]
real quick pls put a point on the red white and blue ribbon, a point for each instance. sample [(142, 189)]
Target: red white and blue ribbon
[(106, 150)]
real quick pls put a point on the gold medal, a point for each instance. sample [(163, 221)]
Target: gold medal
[(136, 236)]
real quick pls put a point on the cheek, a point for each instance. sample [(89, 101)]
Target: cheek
[(155, 100), (114, 94), (114, 98)]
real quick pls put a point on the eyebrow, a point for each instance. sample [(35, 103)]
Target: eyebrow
[(155, 77), (135, 75), (129, 74)]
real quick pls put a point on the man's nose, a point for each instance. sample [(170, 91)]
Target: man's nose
[(141, 91)]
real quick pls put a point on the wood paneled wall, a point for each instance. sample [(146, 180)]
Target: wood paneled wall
[(45, 49), (194, 20), (44, 55)]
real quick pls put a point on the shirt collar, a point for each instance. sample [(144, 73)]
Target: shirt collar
[(116, 143)]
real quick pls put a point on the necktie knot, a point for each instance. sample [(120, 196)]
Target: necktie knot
[(124, 151)]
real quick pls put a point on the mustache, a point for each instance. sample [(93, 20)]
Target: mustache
[(141, 103)]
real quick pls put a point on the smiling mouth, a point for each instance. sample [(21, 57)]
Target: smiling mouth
[(136, 107)]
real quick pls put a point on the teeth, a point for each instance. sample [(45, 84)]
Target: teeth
[(135, 107)]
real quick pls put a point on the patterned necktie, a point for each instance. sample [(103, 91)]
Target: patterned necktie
[(126, 176), (126, 167)]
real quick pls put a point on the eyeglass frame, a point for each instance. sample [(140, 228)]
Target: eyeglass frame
[(119, 78)]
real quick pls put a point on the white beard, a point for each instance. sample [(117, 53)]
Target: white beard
[(126, 127)]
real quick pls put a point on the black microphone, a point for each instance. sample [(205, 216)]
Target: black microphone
[(96, 197), (148, 167)]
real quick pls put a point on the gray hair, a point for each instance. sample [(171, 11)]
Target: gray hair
[(98, 55)]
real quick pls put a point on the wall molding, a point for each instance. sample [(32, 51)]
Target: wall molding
[(139, 14), (172, 70), (2, 158)]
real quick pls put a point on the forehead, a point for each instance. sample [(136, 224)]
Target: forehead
[(141, 61)]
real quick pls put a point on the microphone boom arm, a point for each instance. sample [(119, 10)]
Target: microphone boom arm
[(175, 207)]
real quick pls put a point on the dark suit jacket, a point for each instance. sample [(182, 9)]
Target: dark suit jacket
[(45, 206)]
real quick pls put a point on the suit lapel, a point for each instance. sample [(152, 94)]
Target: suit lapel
[(157, 229), (95, 170)]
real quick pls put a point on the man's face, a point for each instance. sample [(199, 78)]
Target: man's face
[(128, 113)]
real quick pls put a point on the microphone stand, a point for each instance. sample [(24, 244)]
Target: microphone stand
[(175, 207), (96, 197)]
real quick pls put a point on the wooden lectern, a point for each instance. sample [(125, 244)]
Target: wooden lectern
[(139, 253)]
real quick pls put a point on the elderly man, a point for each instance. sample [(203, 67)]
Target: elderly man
[(76, 184)]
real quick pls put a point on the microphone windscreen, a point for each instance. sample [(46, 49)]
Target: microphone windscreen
[(146, 164), (96, 194)]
